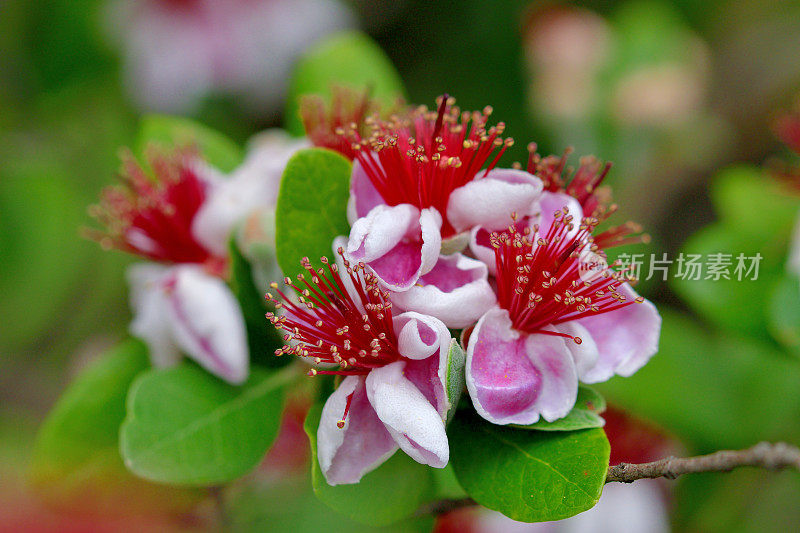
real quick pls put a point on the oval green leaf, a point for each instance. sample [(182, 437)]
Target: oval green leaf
[(312, 207), (585, 414), (76, 462), (349, 59), (388, 494), (186, 427), (454, 381), (529, 476), (164, 130)]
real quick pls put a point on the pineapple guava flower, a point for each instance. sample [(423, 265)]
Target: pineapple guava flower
[(393, 394), (427, 166), (184, 304), (176, 52), (563, 315)]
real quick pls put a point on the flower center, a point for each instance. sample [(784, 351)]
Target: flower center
[(330, 126), (421, 158), (152, 216), (542, 279), (334, 326)]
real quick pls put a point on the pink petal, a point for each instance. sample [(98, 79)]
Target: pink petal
[(586, 353), (363, 195), (207, 322), (411, 419), (347, 454), (489, 201), (422, 334), (514, 378), (456, 291), (626, 338), (550, 202), (399, 243)]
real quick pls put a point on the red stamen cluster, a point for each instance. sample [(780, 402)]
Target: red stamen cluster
[(331, 126), (330, 327), (422, 157), (152, 216), (584, 186), (539, 283)]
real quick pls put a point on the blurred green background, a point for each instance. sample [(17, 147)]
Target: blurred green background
[(674, 93)]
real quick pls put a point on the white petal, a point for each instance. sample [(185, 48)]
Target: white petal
[(207, 322), (381, 230), (456, 291), (151, 319), (410, 418), (584, 354), (490, 201), (346, 454)]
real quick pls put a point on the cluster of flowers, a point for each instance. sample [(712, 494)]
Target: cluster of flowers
[(441, 240)]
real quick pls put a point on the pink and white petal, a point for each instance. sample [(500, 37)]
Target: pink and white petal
[(626, 338), (490, 201), (481, 248), (456, 291), (381, 230), (398, 243), (346, 454), (559, 378), (430, 222), (514, 378), (363, 194), (150, 323), (585, 354), (411, 419), (207, 322), (550, 202)]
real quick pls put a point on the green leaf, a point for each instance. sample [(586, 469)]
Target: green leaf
[(186, 427), (262, 338), (219, 151), (585, 414), (456, 358), (737, 305), (529, 476), (753, 203), (76, 453), (348, 59), (312, 207), (784, 313), (384, 496)]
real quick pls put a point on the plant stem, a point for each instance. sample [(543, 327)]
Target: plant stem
[(771, 456)]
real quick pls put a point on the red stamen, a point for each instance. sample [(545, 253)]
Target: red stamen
[(152, 216), (422, 157), (540, 282), (330, 326), (332, 126), (340, 423)]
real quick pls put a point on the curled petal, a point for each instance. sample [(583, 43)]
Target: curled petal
[(516, 378), (346, 454), (421, 334), (254, 185), (151, 321), (207, 322), (399, 243), (456, 291), (490, 201), (626, 338), (410, 418), (363, 194)]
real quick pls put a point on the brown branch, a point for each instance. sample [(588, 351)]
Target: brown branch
[(763, 455)]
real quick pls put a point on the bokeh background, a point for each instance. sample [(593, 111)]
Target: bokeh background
[(680, 95)]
